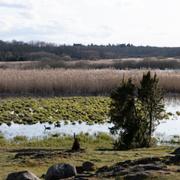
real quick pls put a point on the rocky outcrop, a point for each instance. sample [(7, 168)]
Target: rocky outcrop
[(60, 171), (22, 175), (137, 176), (138, 169), (134, 169)]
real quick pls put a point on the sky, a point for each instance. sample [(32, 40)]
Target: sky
[(139, 22)]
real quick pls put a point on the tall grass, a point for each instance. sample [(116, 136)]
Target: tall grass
[(99, 140), (76, 82)]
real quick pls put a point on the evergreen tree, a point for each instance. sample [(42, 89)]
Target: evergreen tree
[(123, 114), (135, 111), (151, 97)]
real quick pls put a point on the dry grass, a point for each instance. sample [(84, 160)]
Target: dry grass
[(123, 63), (76, 82)]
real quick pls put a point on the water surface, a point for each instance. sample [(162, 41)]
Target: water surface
[(165, 130)]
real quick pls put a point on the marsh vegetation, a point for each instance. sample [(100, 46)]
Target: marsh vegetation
[(60, 101), (62, 82)]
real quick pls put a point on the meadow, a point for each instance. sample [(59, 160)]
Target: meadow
[(20, 154)]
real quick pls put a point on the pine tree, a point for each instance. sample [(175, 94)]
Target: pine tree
[(123, 114), (151, 97), (135, 111)]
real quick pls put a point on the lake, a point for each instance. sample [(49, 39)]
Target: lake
[(164, 131)]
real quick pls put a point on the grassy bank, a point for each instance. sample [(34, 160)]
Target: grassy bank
[(58, 82), (97, 149), (56, 141)]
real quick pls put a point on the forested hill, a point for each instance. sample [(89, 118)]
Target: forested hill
[(21, 51)]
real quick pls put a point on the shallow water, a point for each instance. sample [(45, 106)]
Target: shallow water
[(38, 130), (168, 128), (165, 130)]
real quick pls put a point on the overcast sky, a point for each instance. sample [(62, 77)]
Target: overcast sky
[(139, 22)]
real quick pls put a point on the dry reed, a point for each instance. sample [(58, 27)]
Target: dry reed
[(76, 82)]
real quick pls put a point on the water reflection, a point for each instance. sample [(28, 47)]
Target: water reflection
[(165, 129), (39, 130)]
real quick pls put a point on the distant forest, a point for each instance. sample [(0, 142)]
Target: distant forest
[(21, 51)]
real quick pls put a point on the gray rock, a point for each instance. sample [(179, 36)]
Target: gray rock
[(146, 160), (60, 171), (88, 166), (103, 169), (22, 175), (136, 176), (145, 167)]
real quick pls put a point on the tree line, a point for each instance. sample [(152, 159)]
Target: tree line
[(23, 51)]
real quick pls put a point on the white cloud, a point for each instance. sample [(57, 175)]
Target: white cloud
[(139, 22)]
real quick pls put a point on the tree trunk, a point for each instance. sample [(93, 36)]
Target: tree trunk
[(150, 126)]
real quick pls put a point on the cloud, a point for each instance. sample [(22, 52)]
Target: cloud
[(139, 22), (12, 5)]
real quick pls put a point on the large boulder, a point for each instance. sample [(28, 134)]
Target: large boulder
[(60, 171), (22, 175)]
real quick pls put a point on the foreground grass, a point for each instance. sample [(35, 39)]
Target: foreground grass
[(32, 110), (98, 149)]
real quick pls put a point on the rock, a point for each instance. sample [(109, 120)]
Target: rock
[(112, 171), (147, 160), (147, 167), (60, 171), (136, 176), (103, 169), (88, 166), (137, 169), (79, 169), (22, 175), (176, 151)]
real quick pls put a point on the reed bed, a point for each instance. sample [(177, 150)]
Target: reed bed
[(50, 82)]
